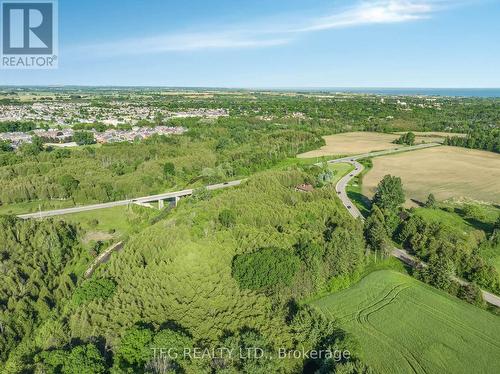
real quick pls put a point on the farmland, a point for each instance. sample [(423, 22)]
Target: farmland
[(352, 143), (447, 172), (361, 142), (404, 326)]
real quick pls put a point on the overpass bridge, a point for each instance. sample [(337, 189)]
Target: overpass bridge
[(170, 197)]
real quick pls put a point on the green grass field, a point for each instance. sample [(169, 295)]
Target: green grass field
[(122, 220), (34, 206), (449, 219), (405, 326), (340, 170)]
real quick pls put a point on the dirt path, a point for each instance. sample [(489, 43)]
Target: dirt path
[(103, 257)]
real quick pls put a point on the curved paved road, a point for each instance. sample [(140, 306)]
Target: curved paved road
[(400, 254), (358, 168), (341, 186)]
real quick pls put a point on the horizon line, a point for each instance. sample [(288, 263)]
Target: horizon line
[(252, 87)]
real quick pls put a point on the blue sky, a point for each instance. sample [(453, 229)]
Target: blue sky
[(274, 43)]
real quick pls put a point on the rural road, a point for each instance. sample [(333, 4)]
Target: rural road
[(341, 189), (400, 254), (358, 168), (385, 152), (413, 261)]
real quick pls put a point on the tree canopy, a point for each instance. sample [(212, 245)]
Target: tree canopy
[(389, 193)]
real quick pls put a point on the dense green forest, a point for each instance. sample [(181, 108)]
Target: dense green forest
[(15, 126), (172, 275), (450, 253), (489, 140), (226, 150), (37, 278)]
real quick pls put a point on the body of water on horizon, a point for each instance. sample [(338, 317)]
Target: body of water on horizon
[(452, 92)]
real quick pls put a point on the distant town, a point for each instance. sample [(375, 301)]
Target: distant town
[(64, 137), (114, 113), (125, 122)]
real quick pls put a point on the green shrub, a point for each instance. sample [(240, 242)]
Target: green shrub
[(265, 268), (227, 218), (471, 293), (102, 288)]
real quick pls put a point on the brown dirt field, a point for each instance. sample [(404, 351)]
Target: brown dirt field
[(428, 139), (447, 172), (352, 143)]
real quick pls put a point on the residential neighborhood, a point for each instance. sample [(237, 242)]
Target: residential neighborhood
[(65, 136), (114, 113), (125, 121)]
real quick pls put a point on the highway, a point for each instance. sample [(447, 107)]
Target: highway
[(144, 199)]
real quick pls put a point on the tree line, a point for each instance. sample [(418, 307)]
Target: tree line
[(447, 254), (486, 139)]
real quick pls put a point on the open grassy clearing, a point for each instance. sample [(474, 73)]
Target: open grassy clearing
[(340, 170), (496, 262), (34, 206), (487, 213), (447, 172), (292, 162), (455, 216), (405, 326), (119, 221), (449, 219), (360, 142)]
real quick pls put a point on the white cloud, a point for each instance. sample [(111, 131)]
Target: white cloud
[(257, 36), (374, 12), (181, 42)]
